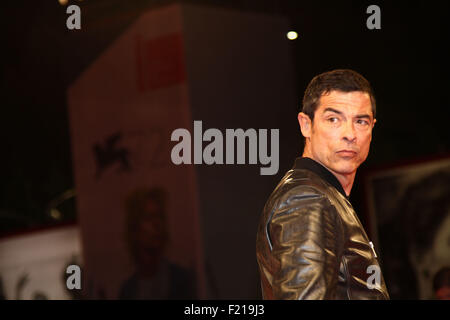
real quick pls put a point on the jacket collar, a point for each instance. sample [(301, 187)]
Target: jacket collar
[(321, 171)]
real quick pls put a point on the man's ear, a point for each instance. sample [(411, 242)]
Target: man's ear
[(305, 124), (373, 124)]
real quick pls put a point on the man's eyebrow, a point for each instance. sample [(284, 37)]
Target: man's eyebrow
[(359, 116), (332, 110), (363, 116)]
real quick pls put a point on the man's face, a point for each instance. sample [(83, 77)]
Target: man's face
[(150, 237), (339, 137)]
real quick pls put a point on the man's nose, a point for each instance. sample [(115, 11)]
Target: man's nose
[(349, 133)]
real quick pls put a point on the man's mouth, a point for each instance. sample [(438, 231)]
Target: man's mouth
[(346, 153)]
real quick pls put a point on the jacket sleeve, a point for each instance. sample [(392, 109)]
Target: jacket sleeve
[(306, 239)]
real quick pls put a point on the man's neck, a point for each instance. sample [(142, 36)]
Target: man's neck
[(346, 180)]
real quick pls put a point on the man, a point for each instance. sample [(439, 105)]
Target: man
[(155, 277), (310, 242)]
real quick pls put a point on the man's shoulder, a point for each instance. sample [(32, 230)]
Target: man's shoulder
[(302, 180), (298, 184)]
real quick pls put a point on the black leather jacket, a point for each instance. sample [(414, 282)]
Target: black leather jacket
[(310, 243)]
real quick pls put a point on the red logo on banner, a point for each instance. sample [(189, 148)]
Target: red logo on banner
[(160, 62)]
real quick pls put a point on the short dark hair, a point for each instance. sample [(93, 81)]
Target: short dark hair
[(344, 80)]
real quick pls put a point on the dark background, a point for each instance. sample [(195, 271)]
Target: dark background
[(406, 62)]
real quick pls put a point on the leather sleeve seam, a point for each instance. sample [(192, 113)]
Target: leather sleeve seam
[(269, 220)]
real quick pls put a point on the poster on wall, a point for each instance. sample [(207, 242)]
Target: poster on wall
[(410, 206), (137, 210)]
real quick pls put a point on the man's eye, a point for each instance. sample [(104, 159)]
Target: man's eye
[(362, 122), (332, 119)]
